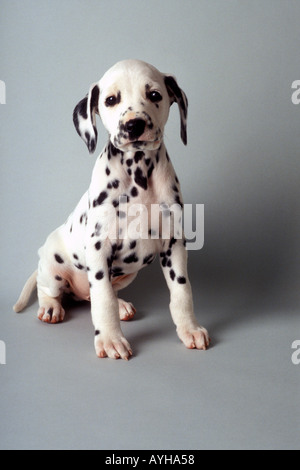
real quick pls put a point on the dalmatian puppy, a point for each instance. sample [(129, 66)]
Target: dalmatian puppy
[(93, 255)]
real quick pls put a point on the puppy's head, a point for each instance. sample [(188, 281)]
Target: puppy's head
[(133, 100)]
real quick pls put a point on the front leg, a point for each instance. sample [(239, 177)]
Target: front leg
[(109, 339), (174, 263)]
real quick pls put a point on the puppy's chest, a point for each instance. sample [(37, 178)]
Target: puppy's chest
[(132, 255), (132, 189), (137, 217)]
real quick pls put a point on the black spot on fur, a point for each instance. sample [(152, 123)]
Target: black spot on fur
[(97, 332), (83, 218), (113, 150), (101, 198), (181, 280), (148, 259), (110, 261), (178, 201), (131, 259), (58, 259), (87, 135), (116, 272), (132, 245), (81, 109), (79, 266), (140, 179), (97, 232), (172, 274), (150, 171), (97, 229), (99, 275), (98, 246), (107, 171), (58, 278), (138, 156), (134, 192), (172, 242), (95, 98), (108, 152)]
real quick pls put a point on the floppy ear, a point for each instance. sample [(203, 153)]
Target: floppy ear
[(178, 95), (84, 117)]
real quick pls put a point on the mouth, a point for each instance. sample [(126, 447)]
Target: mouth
[(149, 140), (143, 144), (138, 143)]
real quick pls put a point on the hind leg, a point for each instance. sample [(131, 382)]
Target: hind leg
[(51, 310), (51, 279), (50, 288), (126, 309)]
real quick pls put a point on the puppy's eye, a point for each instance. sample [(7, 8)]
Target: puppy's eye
[(113, 100), (154, 96)]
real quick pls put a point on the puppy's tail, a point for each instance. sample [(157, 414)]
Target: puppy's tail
[(26, 293)]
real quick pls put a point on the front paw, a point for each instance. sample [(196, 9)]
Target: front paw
[(195, 337), (112, 345)]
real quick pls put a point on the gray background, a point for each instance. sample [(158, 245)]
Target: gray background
[(236, 61)]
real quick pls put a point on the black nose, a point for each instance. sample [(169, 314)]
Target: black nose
[(135, 128)]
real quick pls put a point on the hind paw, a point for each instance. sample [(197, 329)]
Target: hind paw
[(51, 313), (126, 310)]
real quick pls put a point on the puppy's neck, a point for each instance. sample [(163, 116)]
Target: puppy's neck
[(138, 164)]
